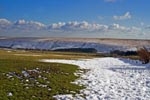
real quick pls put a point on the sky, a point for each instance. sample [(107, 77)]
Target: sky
[(75, 18)]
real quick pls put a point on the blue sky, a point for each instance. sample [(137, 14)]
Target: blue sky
[(125, 13)]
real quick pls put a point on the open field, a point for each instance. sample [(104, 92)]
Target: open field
[(74, 50), (22, 77)]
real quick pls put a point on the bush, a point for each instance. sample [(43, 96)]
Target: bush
[(144, 55), (124, 53)]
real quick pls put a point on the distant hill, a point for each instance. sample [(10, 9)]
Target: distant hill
[(100, 45)]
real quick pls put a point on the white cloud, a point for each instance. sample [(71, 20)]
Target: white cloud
[(116, 28), (28, 25), (77, 26), (4, 24), (57, 25), (127, 15), (73, 27), (4, 21), (20, 22)]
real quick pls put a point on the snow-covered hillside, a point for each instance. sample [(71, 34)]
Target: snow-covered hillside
[(101, 45), (111, 79), (34, 43)]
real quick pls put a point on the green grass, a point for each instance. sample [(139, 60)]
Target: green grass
[(58, 76)]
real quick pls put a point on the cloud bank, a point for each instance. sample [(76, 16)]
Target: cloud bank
[(72, 28), (65, 26)]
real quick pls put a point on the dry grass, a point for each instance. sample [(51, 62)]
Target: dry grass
[(144, 55)]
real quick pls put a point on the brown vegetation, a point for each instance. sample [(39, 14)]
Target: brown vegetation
[(144, 55)]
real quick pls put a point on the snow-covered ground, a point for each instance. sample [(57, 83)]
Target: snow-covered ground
[(111, 79)]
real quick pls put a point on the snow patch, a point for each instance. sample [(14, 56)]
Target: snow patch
[(111, 79)]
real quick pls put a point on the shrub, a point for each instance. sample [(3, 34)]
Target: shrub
[(124, 53), (144, 55)]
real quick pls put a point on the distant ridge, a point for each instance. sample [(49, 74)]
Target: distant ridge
[(51, 43)]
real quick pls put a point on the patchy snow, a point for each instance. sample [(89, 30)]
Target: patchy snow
[(64, 97), (25, 73), (111, 79), (10, 94)]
